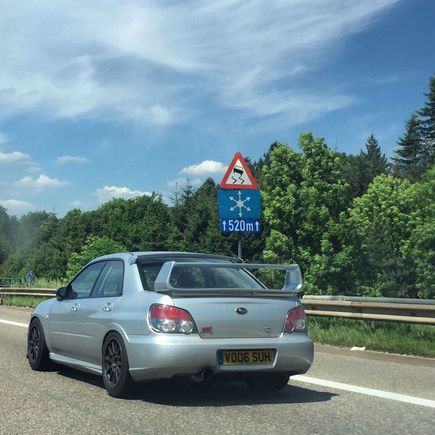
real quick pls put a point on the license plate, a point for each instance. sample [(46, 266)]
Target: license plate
[(247, 357)]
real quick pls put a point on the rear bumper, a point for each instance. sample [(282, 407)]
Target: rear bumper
[(158, 356)]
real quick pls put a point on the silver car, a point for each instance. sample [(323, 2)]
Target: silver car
[(155, 315)]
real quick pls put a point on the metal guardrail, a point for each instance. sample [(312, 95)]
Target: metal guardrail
[(420, 311), (27, 291)]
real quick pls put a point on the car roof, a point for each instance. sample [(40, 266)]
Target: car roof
[(133, 257)]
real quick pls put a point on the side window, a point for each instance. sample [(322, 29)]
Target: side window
[(110, 281), (83, 284), (148, 273)]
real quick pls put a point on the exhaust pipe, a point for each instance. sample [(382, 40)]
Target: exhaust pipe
[(202, 376)]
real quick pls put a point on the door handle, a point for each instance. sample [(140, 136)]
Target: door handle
[(75, 307), (107, 307)]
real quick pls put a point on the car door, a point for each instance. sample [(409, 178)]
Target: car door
[(96, 312), (65, 329)]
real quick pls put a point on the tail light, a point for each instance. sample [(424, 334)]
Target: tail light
[(295, 320), (169, 319)]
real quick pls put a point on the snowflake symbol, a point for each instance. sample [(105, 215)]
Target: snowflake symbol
[(240, 203)]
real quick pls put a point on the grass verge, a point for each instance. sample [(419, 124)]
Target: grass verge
[(390, 337), (23, 301), (43, 283)]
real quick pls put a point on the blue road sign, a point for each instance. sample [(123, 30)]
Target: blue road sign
[(239, 204), (240, 226), (29, 276)]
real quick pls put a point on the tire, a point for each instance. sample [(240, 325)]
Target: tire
[(268, 382), (115, 368), (37, 350)]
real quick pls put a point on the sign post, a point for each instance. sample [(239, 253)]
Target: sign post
[(239, 245), (239, 201)]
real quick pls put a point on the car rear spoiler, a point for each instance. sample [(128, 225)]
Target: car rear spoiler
[(292, 284)]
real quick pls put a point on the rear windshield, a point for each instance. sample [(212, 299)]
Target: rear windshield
[(199, 277)]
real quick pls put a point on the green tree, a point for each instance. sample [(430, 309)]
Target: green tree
[(73, 230), (303, 196), (373, 234), (141, 223), (49, 261), (322, 192), (15, 264), (47, 257), (419, 248), (32, 230), (8, 234), (427, 125), (356, 173), (280, 193), (94, 247), (377, 161), (410, 162), (201, 222), (181, 206), (29, 226), (360, 170)]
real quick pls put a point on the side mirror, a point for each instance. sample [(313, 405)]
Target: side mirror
[(64, 293), (61, 293)]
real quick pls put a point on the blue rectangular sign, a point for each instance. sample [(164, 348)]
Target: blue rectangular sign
[(239, 204), (240, 226)]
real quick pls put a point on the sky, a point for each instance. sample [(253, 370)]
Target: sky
[(109, 99)]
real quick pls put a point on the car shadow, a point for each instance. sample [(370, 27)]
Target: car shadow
[(78, 375), (216, 394), (209, 394)]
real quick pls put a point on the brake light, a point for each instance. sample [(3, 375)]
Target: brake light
[(169, 319), (295, 320)]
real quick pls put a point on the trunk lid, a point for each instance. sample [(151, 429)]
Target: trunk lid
[(237, 316)]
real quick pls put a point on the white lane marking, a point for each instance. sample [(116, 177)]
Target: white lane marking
[(368, 391), (9, 322)]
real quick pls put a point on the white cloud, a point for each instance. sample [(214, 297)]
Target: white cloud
[(14, 157), (43, 181), (71, 159), (147, 61), (15, 206), (206, 168), (109, 192)]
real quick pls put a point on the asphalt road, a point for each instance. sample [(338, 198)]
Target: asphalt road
[(66, 402)]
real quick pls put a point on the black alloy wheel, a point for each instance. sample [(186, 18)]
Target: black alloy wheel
[(116, 376), (37, 350), (113, 361), (34, 343)]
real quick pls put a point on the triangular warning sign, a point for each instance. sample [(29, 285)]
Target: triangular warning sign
[(238, 175)]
